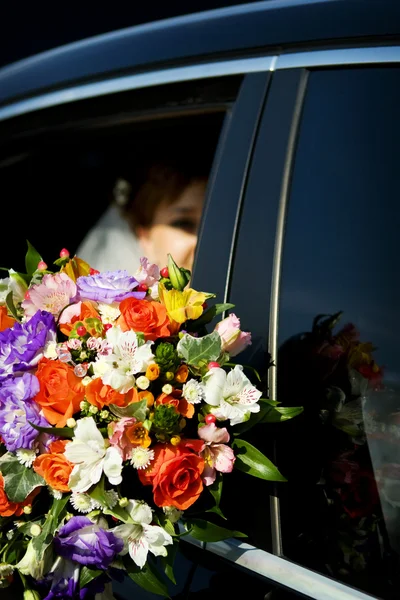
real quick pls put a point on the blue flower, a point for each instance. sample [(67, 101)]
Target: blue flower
[(64, 577), (21, 346), (16, 410), (87, 543), (108, 287)]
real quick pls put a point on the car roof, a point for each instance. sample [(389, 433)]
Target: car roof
[(225, 32)]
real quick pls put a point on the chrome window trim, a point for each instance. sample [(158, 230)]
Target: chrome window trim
[(283, 572), (137, 81), (339, 57), (314, 58)]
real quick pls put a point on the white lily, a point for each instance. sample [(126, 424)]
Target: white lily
[(91, 455), (140, 537), (118, 369), (231, 395)]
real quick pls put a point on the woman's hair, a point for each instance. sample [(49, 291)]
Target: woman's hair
[(159, 182)]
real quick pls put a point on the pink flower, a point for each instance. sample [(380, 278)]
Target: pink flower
[(217, 455), (233, 340), (147, 273), (52, 294), (118, 434)]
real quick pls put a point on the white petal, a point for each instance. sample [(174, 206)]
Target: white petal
[(138, 550), (157, 539), (140, 512), (214, 383), (112, 465), (86, 431)]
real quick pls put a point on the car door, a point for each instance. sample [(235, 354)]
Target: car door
[(313, 277)]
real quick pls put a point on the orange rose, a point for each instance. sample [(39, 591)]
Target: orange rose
[(148, 396), (182, 374), (88, 311), (54, 467), (8, 508), (61, 391), (5, 321), (152, 372), (146, 316), (175, 474), (182, 406), (100, 394)]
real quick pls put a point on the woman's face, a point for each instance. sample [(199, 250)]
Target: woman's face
[(174, 228)]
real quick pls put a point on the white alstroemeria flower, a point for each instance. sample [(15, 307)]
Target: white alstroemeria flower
[(118, 369), (232, 395), (140, 537), (91, 455)]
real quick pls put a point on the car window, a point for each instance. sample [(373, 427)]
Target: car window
[(65, 161), (339, 333)]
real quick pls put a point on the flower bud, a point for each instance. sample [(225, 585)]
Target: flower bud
[(31, 595), (27, 509), (123, 502), (167, 388), (71, 423), (179, 277), (35, 530)]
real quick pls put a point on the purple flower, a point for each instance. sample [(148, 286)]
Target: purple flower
[(64, 577), (16, 410), (87, 543), (108, 287), (21, 346)]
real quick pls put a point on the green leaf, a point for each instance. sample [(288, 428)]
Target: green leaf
[(209, 532), (10, 306), (204, 349), (255, 463), (87, 575), (215, 489), (65, 432), (168, 561), (32, 259), (19, 481), (208, 316), (255, 418), (53, 520), (278, 414), (147, 578), (136, 409), (216, 510), (98, 493)]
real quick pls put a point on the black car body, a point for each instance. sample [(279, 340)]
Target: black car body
[(296, 102)]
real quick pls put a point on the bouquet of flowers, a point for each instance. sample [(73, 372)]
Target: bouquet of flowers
[(118, 413)]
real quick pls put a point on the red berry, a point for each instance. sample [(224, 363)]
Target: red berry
[(42, 266), (213, 365), (107, 326), (93, 271), (81, 330), (142, 287), (27, 295), (64, 253), (210, 418), (204, 305), (164, 272)]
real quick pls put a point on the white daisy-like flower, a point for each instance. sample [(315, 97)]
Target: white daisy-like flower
[(111, 497), (141, 457), (109, 312), (26, 456), (83, 503), (55, 493), (193, 391)]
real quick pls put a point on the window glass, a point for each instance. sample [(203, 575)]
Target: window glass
[(339, 333)]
